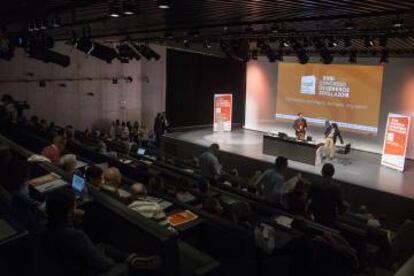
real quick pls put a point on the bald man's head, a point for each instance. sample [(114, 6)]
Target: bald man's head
[(138, 189), (113, 177)]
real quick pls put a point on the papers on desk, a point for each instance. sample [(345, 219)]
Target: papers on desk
[(123, 193), (149, 163), (52, 185), (181, 218), (188, 170), (163, 203), (80, 164), (284, 221), (43, 179)]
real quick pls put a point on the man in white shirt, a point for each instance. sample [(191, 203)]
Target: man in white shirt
[(145, 206), (209, 164)]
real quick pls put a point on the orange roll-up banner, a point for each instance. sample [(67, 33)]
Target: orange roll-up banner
[(223, 106), (395, 141)]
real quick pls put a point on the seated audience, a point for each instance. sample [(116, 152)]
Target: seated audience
[(203, 187), (54, 150), (78, 254), (273, 180), (94, 175), (183, 194), (213, 206), (13, 175), (326, 197), (113, 184), (146, 206), (68, 163), (402, 245), (156, 185), (298, 198), (210, 166)]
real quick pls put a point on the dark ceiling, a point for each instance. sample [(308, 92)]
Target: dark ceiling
[(227, 19)]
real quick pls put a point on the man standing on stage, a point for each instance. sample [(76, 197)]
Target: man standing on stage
[(300, 126), (332, 133)]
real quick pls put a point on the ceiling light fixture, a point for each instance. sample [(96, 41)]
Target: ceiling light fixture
[(164, 4)]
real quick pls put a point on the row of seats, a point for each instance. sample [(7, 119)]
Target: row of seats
[(226, 233)]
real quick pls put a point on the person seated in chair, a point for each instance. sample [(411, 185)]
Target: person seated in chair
[(145, 206), (94, 175), (54, 151), (326, 197), (272, 182), (68, 163), (78, 254)]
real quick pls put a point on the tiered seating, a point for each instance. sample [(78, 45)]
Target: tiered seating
[(230, 243)]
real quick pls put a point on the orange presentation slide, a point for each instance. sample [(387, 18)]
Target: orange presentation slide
[(349, 95)]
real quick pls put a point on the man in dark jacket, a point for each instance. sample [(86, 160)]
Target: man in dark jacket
[(332, 133), (326, 197)]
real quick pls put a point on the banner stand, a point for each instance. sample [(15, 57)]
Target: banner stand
[(395, 141), (223, 107)]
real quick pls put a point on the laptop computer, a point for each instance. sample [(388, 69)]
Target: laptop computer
[(78, 185), (141, 152)]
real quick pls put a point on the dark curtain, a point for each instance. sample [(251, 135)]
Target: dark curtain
[(192, 81)]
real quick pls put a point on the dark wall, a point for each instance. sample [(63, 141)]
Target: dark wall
[(192, 81)]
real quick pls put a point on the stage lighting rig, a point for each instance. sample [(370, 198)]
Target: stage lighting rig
[(164, 4), (95, 49), (145, 51)]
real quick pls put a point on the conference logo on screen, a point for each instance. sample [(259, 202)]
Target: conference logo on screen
[(308, 85), (329, 86)]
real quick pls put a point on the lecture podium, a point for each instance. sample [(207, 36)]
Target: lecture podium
[(291, 148)]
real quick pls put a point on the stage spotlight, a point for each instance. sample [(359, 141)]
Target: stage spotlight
[(347, 42), (36, 25), (126, 53), (114, 9), (56, 22), (147, 52), (274, 28), (368, 42), (397, 23), (349, 25), (383, 40), (206, 44), (283, 43), (352, 56), (129, 8), (332, 43), (164, 4), (48, 56), (326, 55), (384, 56), (43, 25), (96, 50)]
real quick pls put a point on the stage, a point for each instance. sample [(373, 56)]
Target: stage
[(358, 167)]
